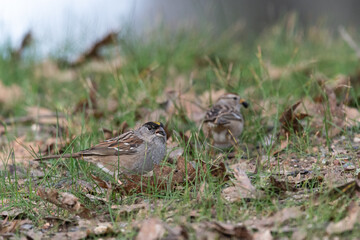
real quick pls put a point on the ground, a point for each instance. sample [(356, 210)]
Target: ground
[(293, 175)]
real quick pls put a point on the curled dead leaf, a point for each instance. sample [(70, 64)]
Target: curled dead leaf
[(238, 231), (347, 223), (291, 121), (64, 200), (243, 188), (280, 217), (151, 229)]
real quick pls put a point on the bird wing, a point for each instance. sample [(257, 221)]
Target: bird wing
[(126, 143), (222, 115)]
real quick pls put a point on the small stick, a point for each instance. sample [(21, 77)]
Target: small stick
[(349, 40)]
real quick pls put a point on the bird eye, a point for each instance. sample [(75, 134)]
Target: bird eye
[(235, 98)]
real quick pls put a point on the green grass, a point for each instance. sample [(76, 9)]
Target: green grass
[(207, 60)]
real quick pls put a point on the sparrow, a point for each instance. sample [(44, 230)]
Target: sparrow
[(223, 122), (133, 152)]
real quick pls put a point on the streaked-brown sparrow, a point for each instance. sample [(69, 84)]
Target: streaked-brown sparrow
[(223, 121), (133, 152)]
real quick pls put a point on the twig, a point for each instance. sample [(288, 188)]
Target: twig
[(93, 52), (349, 40), (26, 41), (28, 119)]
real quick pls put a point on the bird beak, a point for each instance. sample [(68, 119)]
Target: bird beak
[(244, 103), (160, 132)]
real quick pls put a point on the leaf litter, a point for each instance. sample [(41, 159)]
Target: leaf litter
[(324, 113)]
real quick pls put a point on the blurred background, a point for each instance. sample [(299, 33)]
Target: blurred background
[(55, 24)]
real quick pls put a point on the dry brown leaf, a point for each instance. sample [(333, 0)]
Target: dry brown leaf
[(299, 234), (263, 235), (243, 188), (346, 224), (283, 145), (290, 121), (12, 226), (325, 109), (10, 94), (242, 180), (64, 200), (201, 191), (280, 217), (151, 229), (352, 116), (186, 169), (238, 231), (217, 170), (103, 228), (12, 213)]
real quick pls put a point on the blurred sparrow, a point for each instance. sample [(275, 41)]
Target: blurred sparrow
[(224, 122), (133, 152)]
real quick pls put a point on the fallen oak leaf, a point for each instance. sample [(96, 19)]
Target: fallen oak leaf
[(186, 168), (263, 235), (216, 170), (101, 183), (64, 200), (282, 147), (242, 189), (290, 121), (274, 222), (151, 229), (11, 227), (346, 224), (280, 217), (238, 231), (328, 116)]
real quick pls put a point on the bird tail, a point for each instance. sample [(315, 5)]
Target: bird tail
[(69, 155)]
